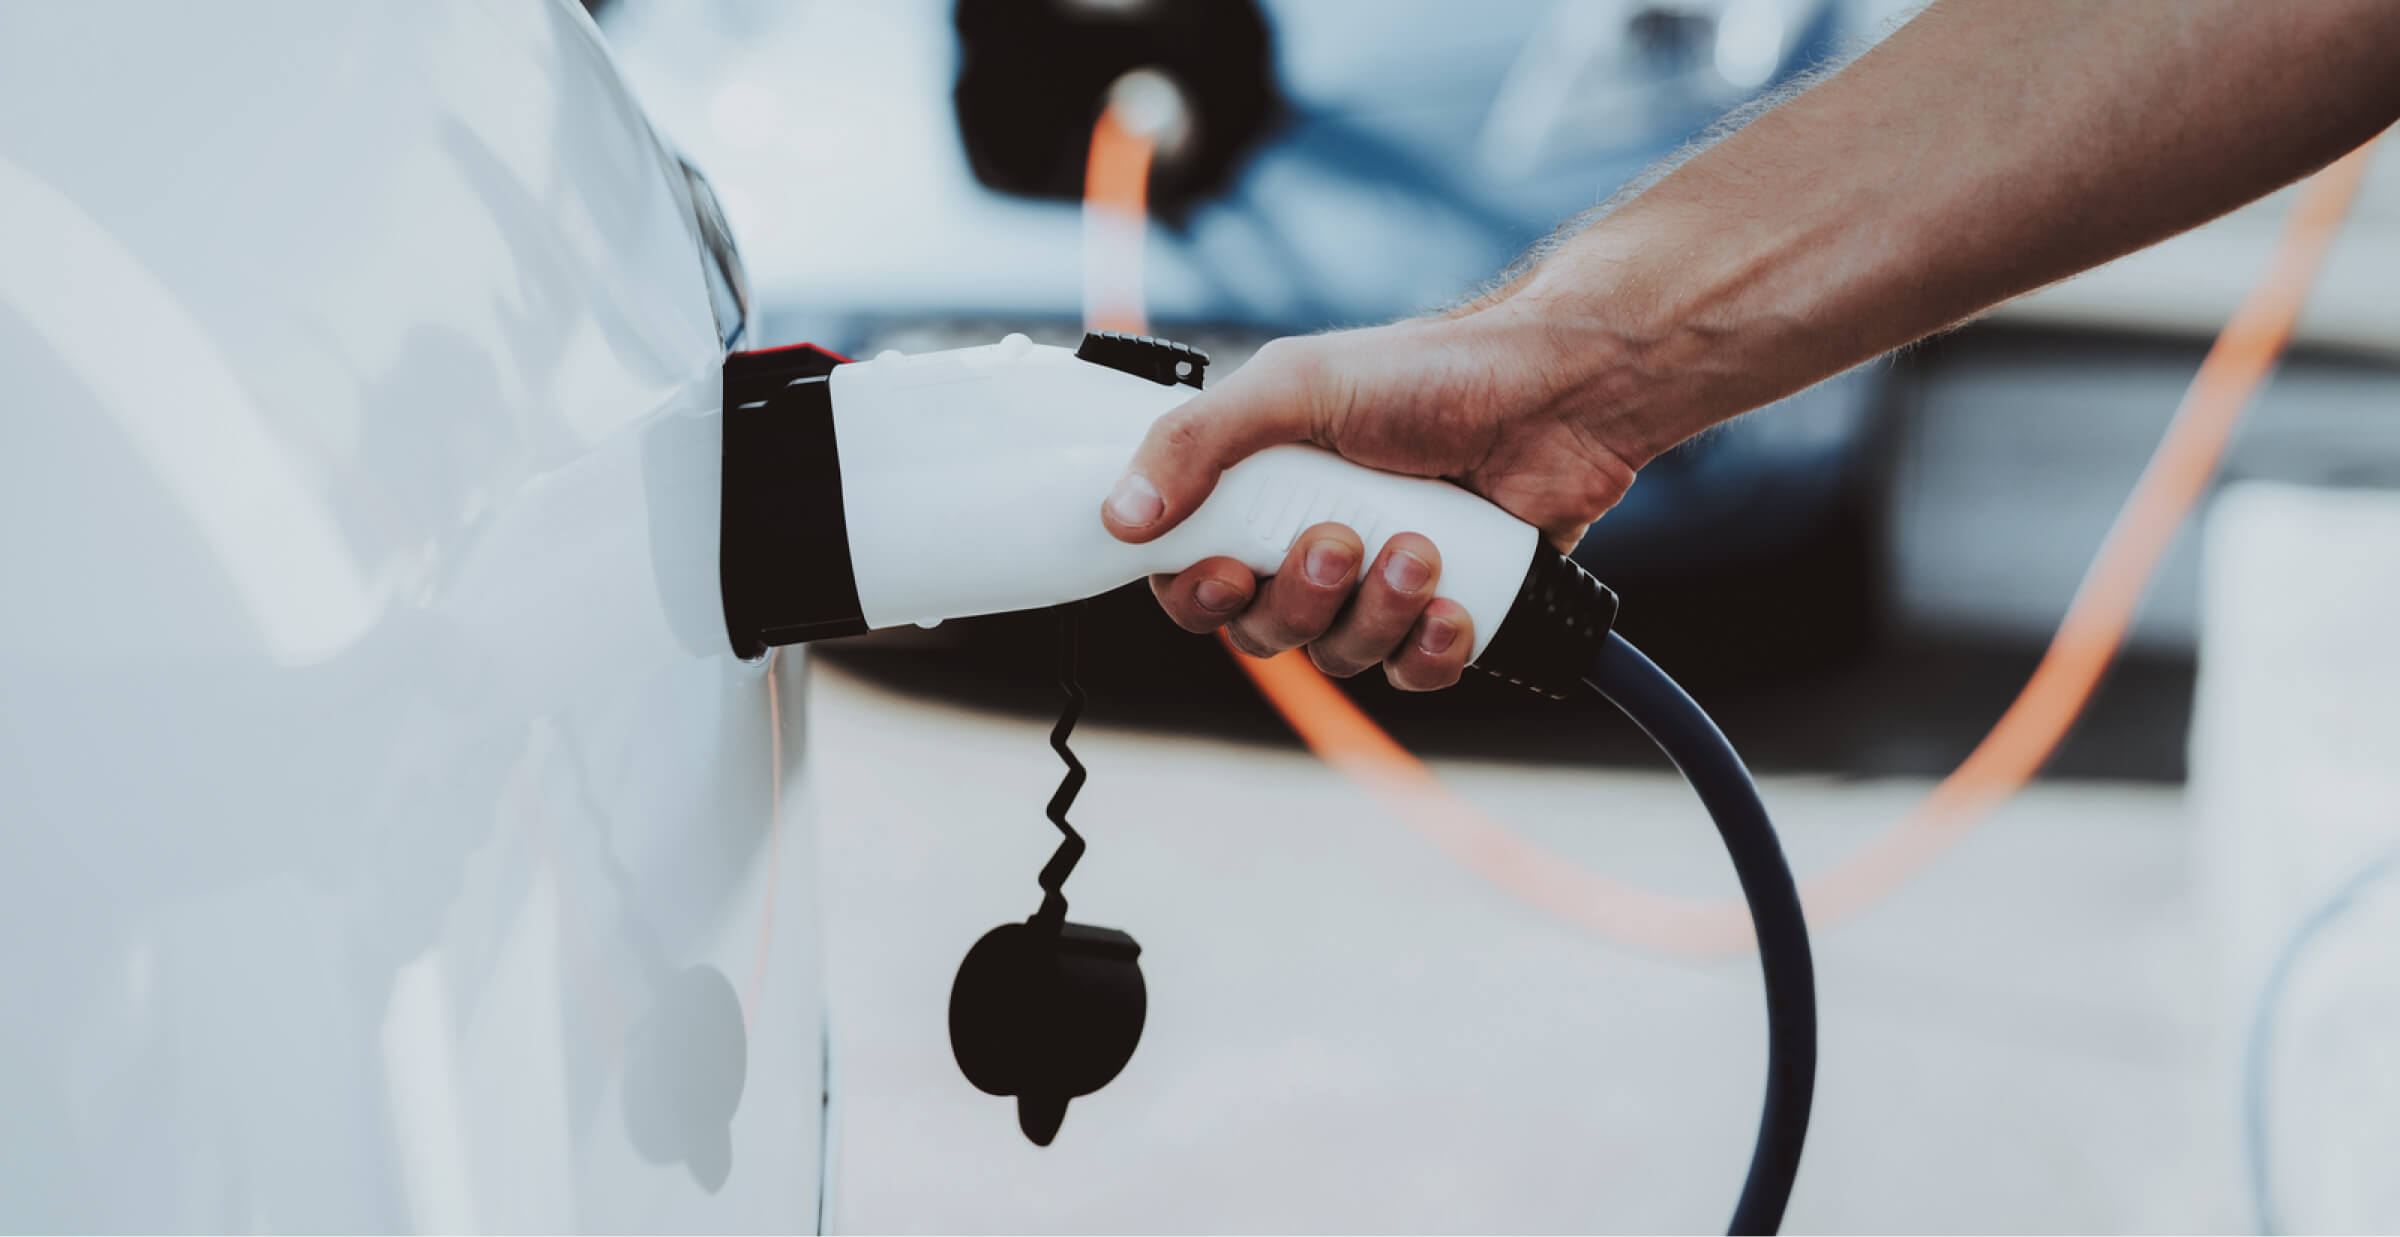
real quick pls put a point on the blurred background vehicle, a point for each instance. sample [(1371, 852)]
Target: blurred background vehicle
[(388, 838)]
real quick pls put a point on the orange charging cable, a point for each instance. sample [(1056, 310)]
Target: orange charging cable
[(1116, 211), (2024, 738)]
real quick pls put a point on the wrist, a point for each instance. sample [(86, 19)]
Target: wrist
[(1609, 344), (1678, 317)]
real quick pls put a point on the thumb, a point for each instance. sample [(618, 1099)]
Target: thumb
[(1271, 400)]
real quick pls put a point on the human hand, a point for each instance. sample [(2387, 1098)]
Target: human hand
[(1479, 399)]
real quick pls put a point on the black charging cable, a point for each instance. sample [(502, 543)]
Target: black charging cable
[(1669, 716), (1047, 1010), (1560, 629)]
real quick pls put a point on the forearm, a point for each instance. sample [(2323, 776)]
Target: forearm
[(1985, 149)]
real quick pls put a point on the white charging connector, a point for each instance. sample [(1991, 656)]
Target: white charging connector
[(972, 481), (912, 489)]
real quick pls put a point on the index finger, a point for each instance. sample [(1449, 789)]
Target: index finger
[(1269, 401)]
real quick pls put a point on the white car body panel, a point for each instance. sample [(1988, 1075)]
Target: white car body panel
[(391, 839)]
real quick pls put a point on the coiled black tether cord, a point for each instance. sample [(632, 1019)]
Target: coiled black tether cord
[(1671, 719), (1562, 619)]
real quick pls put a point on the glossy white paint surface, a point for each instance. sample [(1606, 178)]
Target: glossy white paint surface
[(388, 838)]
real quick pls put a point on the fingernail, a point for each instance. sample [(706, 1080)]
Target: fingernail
[(1439, 635), (1135, 502), (1405, 572), (1216, 596), (1328, 563)]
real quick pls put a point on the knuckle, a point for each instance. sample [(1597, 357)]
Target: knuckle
[(1243, 643), (1279, 354), (1193, 619), (1180, 432), (1379, 623), (1294, 363), (1176, 602), (1388, 610), (1295, 631), (1415, 672), (1262, 634), (1334, 663)]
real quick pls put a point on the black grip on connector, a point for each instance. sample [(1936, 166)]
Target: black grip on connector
[(783, 553), (1554, 628), (1162, 361)]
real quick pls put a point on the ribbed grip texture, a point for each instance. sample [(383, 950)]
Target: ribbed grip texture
[(1554, 628)]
